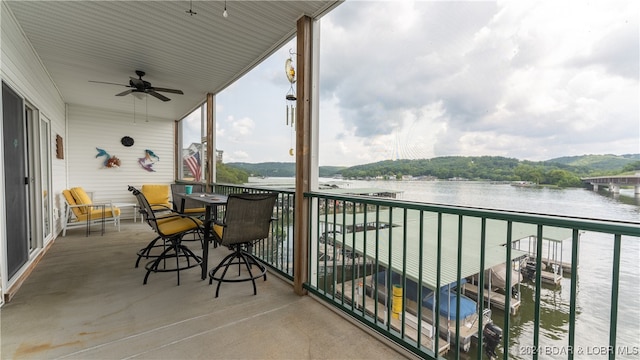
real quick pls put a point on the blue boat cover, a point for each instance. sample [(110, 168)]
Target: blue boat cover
[(447, 296)]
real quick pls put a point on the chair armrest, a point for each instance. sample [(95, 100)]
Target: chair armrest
[(79, 206), (173, 214), (169, 208)]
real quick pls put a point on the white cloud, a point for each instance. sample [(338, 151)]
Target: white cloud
[(241, 127), (237, 156), (414, 79)]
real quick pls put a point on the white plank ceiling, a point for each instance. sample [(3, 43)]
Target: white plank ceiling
[(107, 41)]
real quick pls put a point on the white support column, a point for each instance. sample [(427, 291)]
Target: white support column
[(613, 188), (637, 190)]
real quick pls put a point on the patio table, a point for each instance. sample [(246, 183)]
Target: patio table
[(211, 203), (131, 205)]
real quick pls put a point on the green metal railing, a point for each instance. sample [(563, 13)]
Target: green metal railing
[(354, 241), (363, 247)]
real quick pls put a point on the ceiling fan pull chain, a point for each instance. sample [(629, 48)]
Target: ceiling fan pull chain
[(134, 109)]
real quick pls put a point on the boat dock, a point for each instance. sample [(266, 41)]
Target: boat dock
[(566, 266), (410, 329), (553, 277), (492, 298), (553, 266)]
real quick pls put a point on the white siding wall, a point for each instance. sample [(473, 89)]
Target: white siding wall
[(82, 129), (90, 128), (21, 69)]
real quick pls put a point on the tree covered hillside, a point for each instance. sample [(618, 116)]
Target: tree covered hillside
[(281, 169), (565, 171), (598, 162)]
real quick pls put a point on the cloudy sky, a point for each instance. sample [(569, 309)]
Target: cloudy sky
[(421, 79)]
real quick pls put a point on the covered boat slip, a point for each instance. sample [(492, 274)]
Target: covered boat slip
[(496, 279), (407, 241), (373, 296), (552, 253), (364, 299)]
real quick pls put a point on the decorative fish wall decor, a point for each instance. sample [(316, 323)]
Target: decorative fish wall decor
[(109, 161), (148, 160)]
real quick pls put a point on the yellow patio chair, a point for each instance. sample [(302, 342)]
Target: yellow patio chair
[(158, 196), (170, 228), (80, 210), (155, 244)]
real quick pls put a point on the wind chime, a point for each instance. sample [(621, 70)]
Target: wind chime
[(291, 96)]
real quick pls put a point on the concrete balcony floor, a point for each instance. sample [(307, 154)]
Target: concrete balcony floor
[(85, 300)]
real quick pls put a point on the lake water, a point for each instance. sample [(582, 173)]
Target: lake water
[(594, 273)]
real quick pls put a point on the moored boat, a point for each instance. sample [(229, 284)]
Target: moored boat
[(447, 310)]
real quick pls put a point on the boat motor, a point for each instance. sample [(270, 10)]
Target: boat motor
[(529, 271), (515, 293), (492, 336)]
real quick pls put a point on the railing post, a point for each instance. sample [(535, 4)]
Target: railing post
[(613, 320), (536, 316), (574, 292)]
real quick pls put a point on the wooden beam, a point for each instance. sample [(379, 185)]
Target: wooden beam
[(209, 173), (177, 158), (303, 152)]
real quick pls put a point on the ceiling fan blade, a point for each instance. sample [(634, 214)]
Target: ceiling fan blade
[(104, 82), (173, 91), (126, 92), (159, 96)]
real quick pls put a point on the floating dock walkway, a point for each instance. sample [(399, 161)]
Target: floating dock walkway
[(492, 298)]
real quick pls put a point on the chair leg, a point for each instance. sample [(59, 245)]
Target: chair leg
[(247, 265), (154, 264), (255, 261), (177, 250), (220, 265), (242, 257), (223, 274), (146, 251)]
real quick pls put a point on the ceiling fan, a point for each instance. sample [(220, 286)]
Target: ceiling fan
[(141, 86)]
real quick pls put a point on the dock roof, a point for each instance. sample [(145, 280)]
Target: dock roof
[(389, 240)]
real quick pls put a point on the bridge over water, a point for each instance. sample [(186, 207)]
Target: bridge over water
[(613, 183)]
